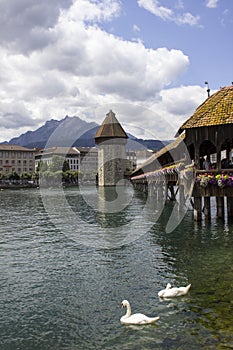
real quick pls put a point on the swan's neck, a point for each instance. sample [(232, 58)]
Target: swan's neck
[(128, 312)]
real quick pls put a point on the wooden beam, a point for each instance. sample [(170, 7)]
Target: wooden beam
[(206, 208), (181, 196), (230, 207), (220, 207), (197, 209)]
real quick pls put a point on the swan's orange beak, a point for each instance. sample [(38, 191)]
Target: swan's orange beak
[(122, 305)]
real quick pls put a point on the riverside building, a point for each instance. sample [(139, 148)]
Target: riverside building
[(14, 158)]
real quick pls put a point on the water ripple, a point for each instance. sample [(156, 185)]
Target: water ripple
[(58, 294)]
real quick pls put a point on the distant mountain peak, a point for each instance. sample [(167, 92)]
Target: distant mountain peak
[(40, 136), (71, 131)]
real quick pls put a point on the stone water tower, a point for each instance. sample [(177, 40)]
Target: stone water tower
[(111, 140)]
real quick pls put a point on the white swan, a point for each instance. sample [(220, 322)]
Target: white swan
[(135, 318), (170, 292)]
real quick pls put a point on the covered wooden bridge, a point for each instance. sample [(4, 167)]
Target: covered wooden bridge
[(199, 160)]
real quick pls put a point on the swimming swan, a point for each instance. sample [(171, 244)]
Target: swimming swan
[(135, 318), (170, 292)]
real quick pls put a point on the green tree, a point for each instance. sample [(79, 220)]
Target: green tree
[(35, 177), (66, 175), (43, 166), (26, 176), (14, 176), (75, 175), (56, 163), (57, 177), (65, 166)]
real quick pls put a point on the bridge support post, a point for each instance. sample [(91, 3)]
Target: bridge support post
[(220, 207), (165, 191), (230, 207), (197, 209), (172, 193), (160, 191), (207, 212), (181, 199)]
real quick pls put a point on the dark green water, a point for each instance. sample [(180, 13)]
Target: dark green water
[(56, 292)]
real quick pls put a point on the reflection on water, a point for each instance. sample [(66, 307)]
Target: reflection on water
[(58, 293), (113, 206)]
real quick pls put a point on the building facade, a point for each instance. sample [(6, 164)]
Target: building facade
[(88, 163), (18, 159), (81, 159), (70, 154)]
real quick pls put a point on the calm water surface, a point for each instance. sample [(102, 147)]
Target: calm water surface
[(57, 293)]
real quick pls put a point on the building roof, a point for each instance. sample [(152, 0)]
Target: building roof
[(87, 149), (216, 110), (10, 147), (110, 128), (59, 151)]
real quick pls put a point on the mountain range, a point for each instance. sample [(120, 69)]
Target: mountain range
[(73, 131)]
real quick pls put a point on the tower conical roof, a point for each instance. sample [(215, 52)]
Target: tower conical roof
[(110, 128)]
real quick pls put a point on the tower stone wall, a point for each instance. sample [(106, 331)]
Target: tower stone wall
[(111, 140)]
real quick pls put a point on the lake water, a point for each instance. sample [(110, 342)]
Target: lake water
[(67, 262)]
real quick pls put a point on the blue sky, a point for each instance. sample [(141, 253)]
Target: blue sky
[(205, 39), (148, 60)]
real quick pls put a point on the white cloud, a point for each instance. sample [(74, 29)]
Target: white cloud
[(14, 114), (93, 11), (161, 118), (154, 7), (76, 67), (15, 120), (212, 3), (136, 29), (176, 106), (167, 14), (188, 18), (25, 24)]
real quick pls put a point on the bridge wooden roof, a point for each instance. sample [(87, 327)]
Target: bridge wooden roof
[(216, 110), (159, 155)]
